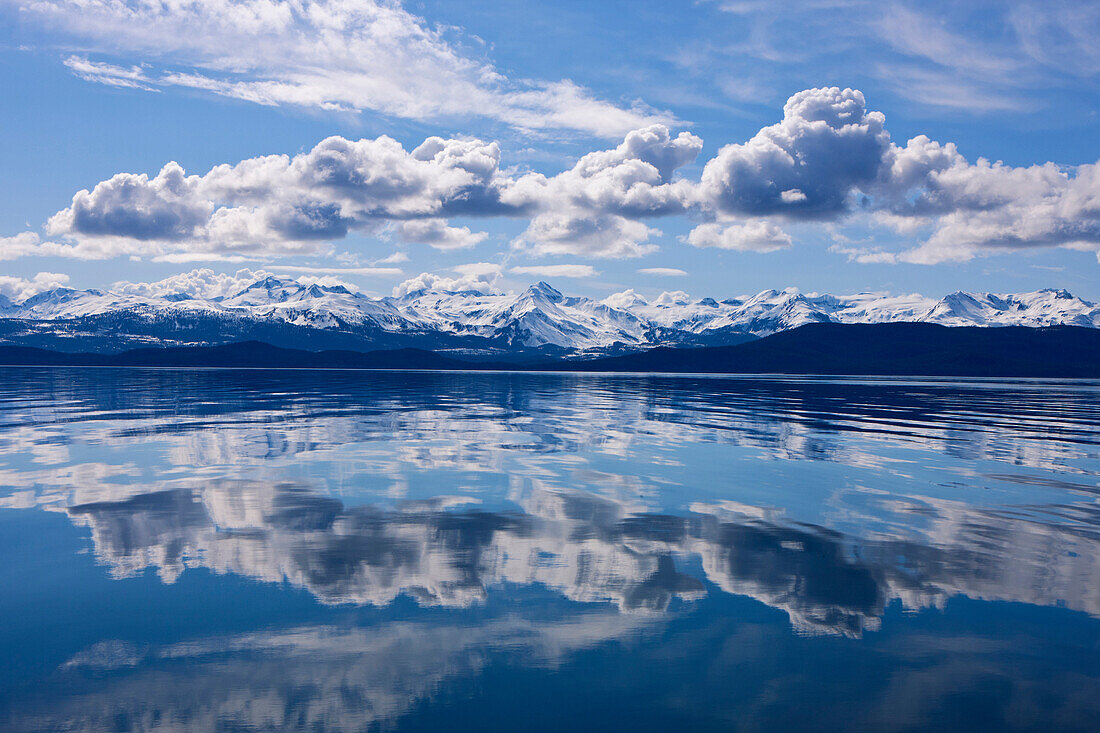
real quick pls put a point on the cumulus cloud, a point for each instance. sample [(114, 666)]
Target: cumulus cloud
[(673, 297), (18, 289), (829, 156), (436, 233), (166, 207), (758, 235), (478, 276), (280, 205), (30, 244), (652, 145), (989, 207), (624, 300), (594, 208), (807, 165), (206, 284), (555, 270), (574, 233), (325, 54), (200, 283), (828, 160)]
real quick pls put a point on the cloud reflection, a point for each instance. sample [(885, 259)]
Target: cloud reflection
[(591, 549), (534, 518)]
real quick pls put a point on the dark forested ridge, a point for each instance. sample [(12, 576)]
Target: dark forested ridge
[(888, 349), (821, 348)]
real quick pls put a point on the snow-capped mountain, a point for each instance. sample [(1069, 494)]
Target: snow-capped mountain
[(540, 318)]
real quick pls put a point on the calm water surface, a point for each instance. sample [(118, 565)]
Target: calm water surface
[(250, 550)]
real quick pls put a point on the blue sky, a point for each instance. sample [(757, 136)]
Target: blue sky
[(827, 195)]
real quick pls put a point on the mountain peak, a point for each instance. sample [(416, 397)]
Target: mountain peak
[(545, 290), (271, 281), (539, 316), (269, 287), (53, 295)]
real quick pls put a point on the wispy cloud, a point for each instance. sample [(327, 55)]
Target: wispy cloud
[(326, 54), (976, 58), (555, 270), (363, 271)]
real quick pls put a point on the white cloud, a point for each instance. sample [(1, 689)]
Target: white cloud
[(807, 165), (829, 160), (362, 271), (393, 259), (865, 255), (926, 36), (132, 77), (663, 271), (624, 300), (436, 233), (574, 233), (1060, 36), (758, 235), (965, 57), (199, 283), (479, 276), (29, 244), (479, 270), (593, 209), (986, 207), (278, 205), (176, 258), (167, 207), (945, 88), (18, 289), (673, 297), (208, 284), (327, 54), (555, 270)]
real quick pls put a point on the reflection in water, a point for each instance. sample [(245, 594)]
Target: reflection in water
[(635, 509), (346, 679), (589, 549)]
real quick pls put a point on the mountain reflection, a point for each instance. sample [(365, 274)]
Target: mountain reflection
[(592, 549)]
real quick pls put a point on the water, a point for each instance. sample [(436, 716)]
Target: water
[(251, 550)]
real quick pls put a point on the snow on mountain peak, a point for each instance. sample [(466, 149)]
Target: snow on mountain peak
[(541, 315), (544, 291)]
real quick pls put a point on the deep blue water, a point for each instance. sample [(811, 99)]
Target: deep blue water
[(251, 550)]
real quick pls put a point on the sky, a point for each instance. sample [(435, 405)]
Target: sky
[(719, 147)]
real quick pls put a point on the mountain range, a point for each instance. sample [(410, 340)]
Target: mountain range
[(538, 322)]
